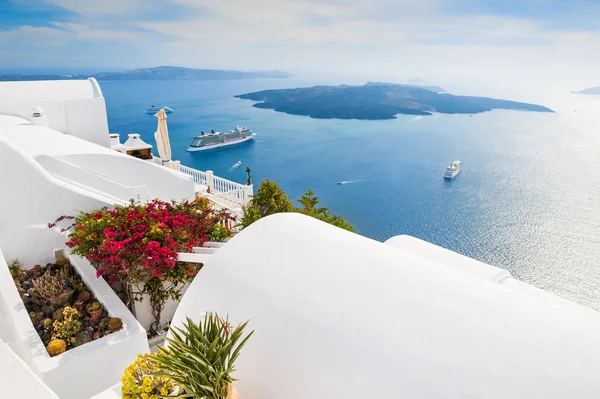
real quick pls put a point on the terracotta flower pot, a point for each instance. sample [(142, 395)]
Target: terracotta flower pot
[(96, 313), (231, 392)]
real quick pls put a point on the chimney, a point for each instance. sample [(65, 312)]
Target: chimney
[(38, 118)]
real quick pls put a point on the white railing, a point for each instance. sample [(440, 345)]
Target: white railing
[(198, 176), (237, 193)]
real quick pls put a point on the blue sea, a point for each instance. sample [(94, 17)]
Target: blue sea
[(527, 198)]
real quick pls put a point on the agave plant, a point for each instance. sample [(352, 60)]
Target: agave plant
[(200, 357)]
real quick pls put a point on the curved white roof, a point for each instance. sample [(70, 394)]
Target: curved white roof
[(49, 90), (338, 315), (38, 140)]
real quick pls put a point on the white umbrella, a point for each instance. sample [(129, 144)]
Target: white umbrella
[(162, 139)]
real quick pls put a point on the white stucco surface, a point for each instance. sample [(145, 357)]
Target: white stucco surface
[(471, 266), (17, 380), (45, 174), (31, 198), (76, 108), (47, 90), (338, 315), (36, 140)]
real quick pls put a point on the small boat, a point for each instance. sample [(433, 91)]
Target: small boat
[(238, 163), (452, 170), (153, 109), (218, 139)]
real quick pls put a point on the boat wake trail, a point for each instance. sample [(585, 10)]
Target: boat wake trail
[(350, 181), (235, 165)]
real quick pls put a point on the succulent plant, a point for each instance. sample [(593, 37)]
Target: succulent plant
[(140, 380), (16, 270), (115, 324), (56, 347), (52, 288), (61, 262), (47, 323), (67, 325), (36, 317)]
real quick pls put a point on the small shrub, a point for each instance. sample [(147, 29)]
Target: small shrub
[(271, 199)]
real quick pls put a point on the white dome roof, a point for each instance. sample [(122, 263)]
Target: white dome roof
[(338, 315)]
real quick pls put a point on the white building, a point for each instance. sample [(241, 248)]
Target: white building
[(335, 314)]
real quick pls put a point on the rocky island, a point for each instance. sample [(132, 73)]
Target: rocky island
[(377, 101), (592, 90), (159, 73)]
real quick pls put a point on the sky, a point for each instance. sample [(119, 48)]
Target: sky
[(434, 40)]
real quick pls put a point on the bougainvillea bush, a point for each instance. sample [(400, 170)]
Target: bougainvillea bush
[(134, 247)]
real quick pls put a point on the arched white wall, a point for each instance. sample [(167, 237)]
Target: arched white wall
[(29, 200), (338, 315)]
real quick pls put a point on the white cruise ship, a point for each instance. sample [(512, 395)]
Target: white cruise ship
[(217, 139), (154, 109), (452, 170)]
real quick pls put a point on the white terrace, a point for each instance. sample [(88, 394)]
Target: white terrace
[(335, 314), (54, 136)]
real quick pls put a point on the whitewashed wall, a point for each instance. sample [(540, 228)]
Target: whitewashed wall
[(72, 107), (161, 182), (338, 315), (17, 380), (29, 200)]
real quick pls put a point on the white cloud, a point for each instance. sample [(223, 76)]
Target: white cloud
[(401, 38), (99, 8), (31, 36), (84, 32)]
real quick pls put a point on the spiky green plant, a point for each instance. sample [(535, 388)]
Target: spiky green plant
[(200, 357)]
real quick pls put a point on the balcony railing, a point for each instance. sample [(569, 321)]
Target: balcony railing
[(226, 193)]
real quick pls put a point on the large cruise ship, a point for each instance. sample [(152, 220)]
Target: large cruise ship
[(210, 140), (452, 170)]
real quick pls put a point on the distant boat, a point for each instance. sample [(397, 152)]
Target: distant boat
[(153, 110), (218, 139), (452, 170)]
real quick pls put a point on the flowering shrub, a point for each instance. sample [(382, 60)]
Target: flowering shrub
[(135, 246)]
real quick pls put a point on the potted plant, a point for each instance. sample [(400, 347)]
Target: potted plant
[(198, 362), (55, 297), (134, 247), (200, 357)]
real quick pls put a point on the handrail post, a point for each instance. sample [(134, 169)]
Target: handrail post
[(210, 180), (248, 193), (177, 165)]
